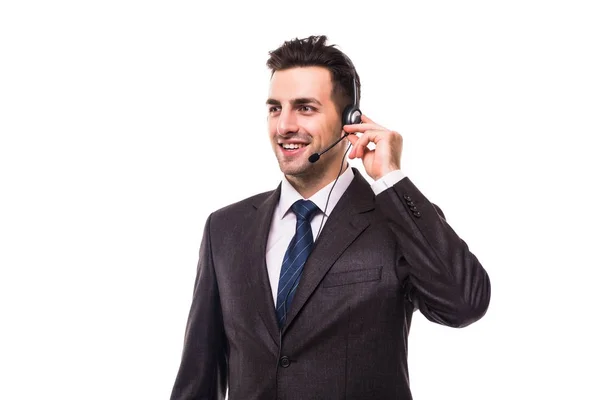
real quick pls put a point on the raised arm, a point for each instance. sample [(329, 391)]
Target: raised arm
[(447, 283)]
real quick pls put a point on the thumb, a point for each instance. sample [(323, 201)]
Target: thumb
[(352, 138)]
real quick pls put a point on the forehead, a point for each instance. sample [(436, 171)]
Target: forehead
[(301, 82)]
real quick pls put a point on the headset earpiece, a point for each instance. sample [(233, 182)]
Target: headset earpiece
[(351, 114)]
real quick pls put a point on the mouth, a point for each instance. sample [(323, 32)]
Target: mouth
[(292, 148)]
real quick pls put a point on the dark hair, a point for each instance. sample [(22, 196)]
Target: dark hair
[(312, 51)]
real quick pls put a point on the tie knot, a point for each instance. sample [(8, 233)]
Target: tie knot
[(304, 209)]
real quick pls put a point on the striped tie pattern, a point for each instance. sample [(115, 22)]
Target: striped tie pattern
[(295, 257)]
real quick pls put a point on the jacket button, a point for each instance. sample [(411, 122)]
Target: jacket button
[(284, 361), (407, 197), (417, 214)]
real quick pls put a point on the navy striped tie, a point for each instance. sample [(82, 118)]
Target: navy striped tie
[(295, 257)]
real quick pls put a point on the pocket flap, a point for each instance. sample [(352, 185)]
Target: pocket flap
[(355, 276)]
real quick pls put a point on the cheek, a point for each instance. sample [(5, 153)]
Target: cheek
[(336, 124), (333, 128)]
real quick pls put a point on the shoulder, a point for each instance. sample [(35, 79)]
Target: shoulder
[(235, 213)]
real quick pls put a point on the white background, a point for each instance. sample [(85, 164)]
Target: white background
[(125, 123)]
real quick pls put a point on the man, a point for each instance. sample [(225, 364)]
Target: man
[(307, 291)]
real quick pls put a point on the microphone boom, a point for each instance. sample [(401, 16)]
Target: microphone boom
[(315, 157)]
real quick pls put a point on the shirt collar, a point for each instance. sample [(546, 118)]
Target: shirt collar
[(289, 195)]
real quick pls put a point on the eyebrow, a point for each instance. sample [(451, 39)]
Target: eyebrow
[(295, 102)]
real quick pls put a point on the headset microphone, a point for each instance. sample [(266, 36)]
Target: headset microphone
[(315, 157)]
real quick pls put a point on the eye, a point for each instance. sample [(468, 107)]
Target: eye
[(306, 108), (273, 109)]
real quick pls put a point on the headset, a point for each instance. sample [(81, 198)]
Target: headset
[(350, 116)]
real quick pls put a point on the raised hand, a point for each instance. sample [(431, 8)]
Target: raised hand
[(388, 147)]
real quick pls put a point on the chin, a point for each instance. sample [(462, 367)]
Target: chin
[(293, 170), (296, 168)]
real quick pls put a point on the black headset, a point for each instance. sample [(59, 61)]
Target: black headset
[(351, 114)]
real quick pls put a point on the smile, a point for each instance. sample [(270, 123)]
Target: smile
[(292, 146)]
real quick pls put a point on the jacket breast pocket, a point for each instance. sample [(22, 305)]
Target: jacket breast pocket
[(350, 277)]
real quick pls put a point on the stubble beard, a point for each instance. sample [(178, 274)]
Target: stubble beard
[(305, 173), (298, 169)]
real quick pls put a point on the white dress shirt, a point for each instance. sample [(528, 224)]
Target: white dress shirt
[(283, 225)]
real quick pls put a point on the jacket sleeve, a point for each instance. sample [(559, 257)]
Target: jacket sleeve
[(202, 372), (446, 282)]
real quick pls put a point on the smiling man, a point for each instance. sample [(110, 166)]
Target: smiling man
[(308, 291), (303, 119)]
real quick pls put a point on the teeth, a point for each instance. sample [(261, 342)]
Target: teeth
[(292, 146)]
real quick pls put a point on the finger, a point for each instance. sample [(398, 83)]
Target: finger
[(360, 127), (367, 120), (362, 143), (353, 139)]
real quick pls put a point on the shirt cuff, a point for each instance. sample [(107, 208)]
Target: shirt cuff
[(387, 181)]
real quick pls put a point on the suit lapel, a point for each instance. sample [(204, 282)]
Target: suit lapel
[(345, 223), (255, 256)]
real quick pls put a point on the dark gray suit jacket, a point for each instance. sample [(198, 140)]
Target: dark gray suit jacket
[(377, 260)]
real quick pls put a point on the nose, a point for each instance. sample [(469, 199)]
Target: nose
[(287, 123)]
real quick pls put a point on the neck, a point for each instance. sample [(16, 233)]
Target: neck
[(309, 185)]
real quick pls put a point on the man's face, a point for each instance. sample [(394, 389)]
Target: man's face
[(303, 120)]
